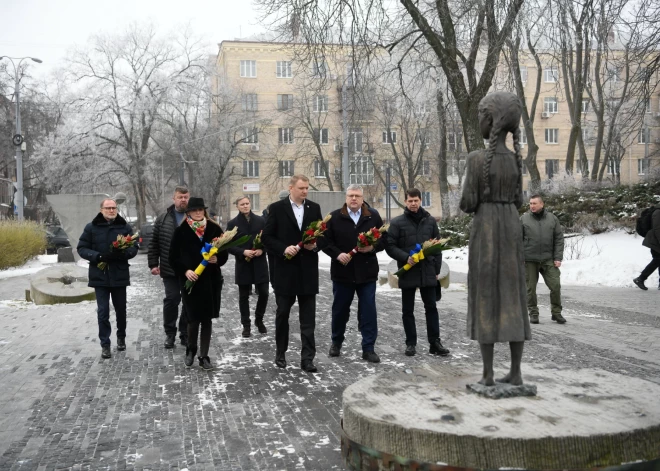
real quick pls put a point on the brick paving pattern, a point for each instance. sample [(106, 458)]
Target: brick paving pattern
[(63, 407)]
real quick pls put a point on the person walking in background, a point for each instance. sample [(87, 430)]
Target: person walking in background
[(353, 275), (543, 241), (251, 266), (298, 275), (158, 260), (416, 226), (652, 241), (202, 303), (95, 245)]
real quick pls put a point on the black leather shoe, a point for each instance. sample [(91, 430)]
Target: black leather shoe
[(640, 284), (371, 357), (184, 341), (280, 361), (205, 363), (105, 352), (246, 331), (308, 366), (260, 325), (169, 341), (190, 356), (534, 319), (410, 351), (558, 318), (335, 350), (438, 349), (121, 345)]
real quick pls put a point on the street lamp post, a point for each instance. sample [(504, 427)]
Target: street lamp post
[(18, 140)]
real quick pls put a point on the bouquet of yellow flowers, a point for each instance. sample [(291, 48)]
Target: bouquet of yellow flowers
[(256, 244), (369, 238), (122, 243), (313, 232), (224, 242), (428, 248)]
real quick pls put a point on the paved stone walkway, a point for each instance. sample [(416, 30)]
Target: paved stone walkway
[(63, 407)]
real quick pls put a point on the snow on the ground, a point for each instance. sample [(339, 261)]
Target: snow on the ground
[(609, 259)]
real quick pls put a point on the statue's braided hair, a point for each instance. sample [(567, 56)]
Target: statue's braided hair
[(519, 159)]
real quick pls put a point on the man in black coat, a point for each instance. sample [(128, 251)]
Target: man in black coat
[(416, 226), (297, 277), (271, 260), (95, 245), (251, 266), (353, 274), (652, 241), (158, 260)]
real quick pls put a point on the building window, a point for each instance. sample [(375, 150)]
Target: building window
[(551, 74), (551, 167), (648, 105), (249, 102), (362, 171), (285, 135), (642, 136), (421, 108), (611, 104), (523, 137), (582, 167), (249, 69), (585, 105), (523, 74), (320, 169), (425, 168), (454, 141), (284, 69), (586, 136), (321, 136), (389, 137), (524, 168), (251, 168), (613, 168), (355, 141), (426, 199), (552, 136), (250, 136), (550, 104), (455, 168), (319, 68), (642, 166), (285, 168), (423, 137), (284, 102), (321, 103), (254, 201), (613, 74)]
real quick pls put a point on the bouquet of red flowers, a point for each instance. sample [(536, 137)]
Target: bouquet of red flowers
[(256, 244), (313, 232), (122, 243), (369, 238)]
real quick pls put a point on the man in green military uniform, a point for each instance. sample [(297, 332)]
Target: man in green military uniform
[(543, 241)]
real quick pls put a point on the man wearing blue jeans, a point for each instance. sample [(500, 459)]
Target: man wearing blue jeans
[(112, 277), (353, 273)]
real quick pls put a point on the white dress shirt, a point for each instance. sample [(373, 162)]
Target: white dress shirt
[(298, 212), (355, 216)]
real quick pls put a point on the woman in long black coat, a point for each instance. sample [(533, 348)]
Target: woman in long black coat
[(254, 271), (203, 302)]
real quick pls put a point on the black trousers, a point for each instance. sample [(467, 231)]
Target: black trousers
[(430, 309), (171, 303), (651, 267), (204, 338), (307, 317), (244, 302)]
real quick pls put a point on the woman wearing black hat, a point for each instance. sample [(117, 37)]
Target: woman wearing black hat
[(203, 302)]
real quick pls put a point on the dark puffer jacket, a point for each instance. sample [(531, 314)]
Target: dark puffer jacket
[(652, 238), (402, 237), (161, 238), (543, 237), (97, 238)]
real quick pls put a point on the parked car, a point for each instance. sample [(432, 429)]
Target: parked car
[(145, 236), (56, 238)]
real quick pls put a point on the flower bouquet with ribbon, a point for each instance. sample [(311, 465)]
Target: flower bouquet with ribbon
[(313, 232), (224, 242), (122, 243), (256, 244), (428, 248), (369, 238)]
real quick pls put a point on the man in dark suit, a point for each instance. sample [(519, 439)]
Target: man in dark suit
[(297, 277)]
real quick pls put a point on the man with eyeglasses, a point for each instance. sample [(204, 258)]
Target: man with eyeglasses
[(95, 245), (353, 275)]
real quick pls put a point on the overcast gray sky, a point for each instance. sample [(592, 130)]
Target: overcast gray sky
[(48, 28)]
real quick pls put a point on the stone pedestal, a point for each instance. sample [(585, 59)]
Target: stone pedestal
[(64, 283), (427, 419)]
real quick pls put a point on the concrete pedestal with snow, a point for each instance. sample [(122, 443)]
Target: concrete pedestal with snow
[(64, 283), (427, 418)]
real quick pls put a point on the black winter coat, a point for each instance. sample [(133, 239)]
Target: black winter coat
[(652, 238), (97, 238), (342, 236), (185, 254), (402, 237), (159, 246), (256, 270), (300, 275)]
